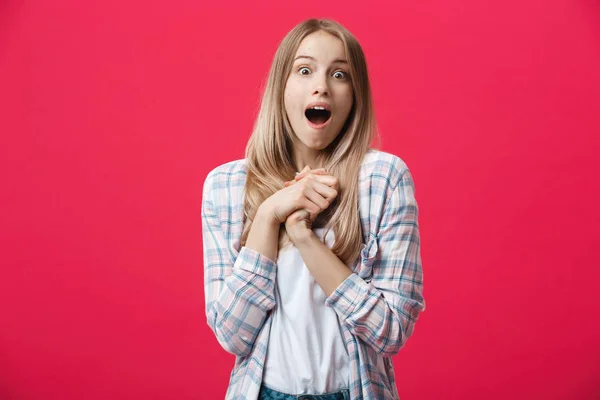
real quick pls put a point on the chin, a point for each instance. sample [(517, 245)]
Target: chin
[(316, 144), (316, 140)]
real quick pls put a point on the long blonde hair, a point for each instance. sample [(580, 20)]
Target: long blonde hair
[(269, 154)]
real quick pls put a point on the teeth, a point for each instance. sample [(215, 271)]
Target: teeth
[(318, 108)]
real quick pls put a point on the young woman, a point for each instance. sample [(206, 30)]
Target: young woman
[(313, 279)]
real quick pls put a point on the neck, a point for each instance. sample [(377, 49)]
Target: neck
[(304, 156)]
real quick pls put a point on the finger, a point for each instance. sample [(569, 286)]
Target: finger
[(323, 176), (317, 198), (328, 180), (320, 171), (306, 169), (301, 214), (325, 191), (312, 208)]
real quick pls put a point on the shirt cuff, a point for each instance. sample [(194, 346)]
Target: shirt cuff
[(252, 261), (345, 297)]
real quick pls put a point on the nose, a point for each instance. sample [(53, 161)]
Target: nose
[(321, 85)]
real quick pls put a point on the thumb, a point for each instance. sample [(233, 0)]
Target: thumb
[(306, 169)]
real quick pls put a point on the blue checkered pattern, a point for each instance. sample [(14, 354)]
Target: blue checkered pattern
[(378, 304)]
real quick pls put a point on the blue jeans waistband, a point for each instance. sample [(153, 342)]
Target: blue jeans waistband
[(271, 394)]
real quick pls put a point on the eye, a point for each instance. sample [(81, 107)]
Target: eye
[(304, 71), (340, 75)]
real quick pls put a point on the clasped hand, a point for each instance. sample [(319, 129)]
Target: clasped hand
[(302, 200)]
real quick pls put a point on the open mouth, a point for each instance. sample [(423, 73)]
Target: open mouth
[(317, 115)]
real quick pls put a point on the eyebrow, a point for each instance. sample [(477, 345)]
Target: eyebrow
[(312, 58)]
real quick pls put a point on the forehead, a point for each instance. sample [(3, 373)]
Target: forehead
[(322, 46)]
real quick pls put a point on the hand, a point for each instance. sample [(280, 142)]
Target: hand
[(303, 172), (319, 174), (298, 225), (308, 193)]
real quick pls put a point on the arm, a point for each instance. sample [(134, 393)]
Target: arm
[(238, 293), (382, 312), (327, 269)]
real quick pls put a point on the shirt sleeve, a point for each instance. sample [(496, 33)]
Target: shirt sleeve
[(239, 293), (383, 312)]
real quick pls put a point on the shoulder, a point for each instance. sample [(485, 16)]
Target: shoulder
[(228, 173), (383, 169), (226, 177)]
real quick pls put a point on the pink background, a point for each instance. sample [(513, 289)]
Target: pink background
[(113, 112)]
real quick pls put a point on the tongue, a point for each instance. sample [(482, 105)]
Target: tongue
[(318, 119)]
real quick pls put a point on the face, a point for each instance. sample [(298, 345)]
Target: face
[(318, 93)]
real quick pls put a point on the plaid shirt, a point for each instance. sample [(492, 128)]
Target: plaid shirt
[(378, 304)]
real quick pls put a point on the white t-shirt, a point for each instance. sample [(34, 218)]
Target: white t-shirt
[(306, 350)]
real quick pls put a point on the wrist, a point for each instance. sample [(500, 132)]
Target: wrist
[(303, 237), (264, 217)]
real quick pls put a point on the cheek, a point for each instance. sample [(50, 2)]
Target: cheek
[(291, 99), (347, 99), (287, 101), (348, 106)]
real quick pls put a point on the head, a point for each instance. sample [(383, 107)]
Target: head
[(318, 94), (316, 105)]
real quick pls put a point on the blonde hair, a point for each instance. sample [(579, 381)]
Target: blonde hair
[(269, 152)]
